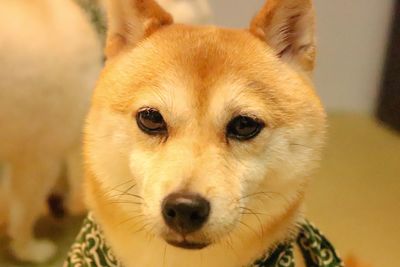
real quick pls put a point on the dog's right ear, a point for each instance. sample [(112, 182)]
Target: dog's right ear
[(130, 21)]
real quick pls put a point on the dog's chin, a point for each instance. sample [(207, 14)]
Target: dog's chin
[(187, 244)]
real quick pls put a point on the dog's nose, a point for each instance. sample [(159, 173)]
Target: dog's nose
[(185, 213)]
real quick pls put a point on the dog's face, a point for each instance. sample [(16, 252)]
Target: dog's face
[(196, 132)]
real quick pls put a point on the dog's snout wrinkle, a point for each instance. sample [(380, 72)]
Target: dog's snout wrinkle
[(185, 212)]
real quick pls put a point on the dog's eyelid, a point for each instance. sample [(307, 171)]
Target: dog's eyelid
[(258, 86), (151, 121), (247, 113), (244, 128)]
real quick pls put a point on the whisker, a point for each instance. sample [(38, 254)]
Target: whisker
[(267, 194), (252, 213), (124, 194), (152, 228), (133, 195), (258, 219), (119, 185), (119, 196), (250, 228), (295, 144), (126, 202), (144, 220), (129, 219), (126, 191), (142, 229), (229, 243), (165, 252)]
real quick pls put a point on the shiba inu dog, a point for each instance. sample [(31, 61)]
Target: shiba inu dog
[(201, 141)]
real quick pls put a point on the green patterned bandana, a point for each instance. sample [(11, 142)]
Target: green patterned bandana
[(91, 250)]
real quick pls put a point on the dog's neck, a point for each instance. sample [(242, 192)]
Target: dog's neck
[(139, 249)]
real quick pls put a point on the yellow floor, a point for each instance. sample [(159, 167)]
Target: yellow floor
[(354, 199)]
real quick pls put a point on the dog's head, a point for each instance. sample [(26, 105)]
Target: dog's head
[(197, 133)]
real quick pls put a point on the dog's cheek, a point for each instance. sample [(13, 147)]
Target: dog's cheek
[(143, 165), (108, 143), (225, 213), (275, 176), (294, 152)]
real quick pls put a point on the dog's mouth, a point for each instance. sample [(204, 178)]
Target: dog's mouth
[(194, 241), (187, 244)]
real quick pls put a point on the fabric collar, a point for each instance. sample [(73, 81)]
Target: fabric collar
[(91, 250)]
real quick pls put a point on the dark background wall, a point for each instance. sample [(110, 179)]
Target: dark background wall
[(389, 99), (352, 41)]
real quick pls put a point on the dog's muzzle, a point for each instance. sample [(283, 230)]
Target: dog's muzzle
[(185, 213)]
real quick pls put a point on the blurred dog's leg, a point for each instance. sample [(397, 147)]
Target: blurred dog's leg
[(4, 181), (31, 181), (75, 201)]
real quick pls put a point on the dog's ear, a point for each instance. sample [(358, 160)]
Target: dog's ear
[(130, 21), (288, 27)]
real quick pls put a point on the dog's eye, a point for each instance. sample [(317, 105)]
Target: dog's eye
[(244, 128), (151, 121)]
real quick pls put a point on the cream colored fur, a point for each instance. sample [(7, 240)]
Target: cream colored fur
[(199, 78), (188, 11), (50, 57), (184, 11)]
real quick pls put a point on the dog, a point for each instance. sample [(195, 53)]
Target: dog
[(50, 59), (200, 143)]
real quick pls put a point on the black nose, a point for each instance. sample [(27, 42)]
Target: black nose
[(185, 212)]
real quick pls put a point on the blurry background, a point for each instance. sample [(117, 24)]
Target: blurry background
[(355, 196), (352, 39)]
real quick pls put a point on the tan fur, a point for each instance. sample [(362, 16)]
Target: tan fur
[(352, 261), (199, 78), (50, 58), (288, 26), (122, 33)]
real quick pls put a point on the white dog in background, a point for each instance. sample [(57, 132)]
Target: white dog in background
[(49, 60), (188, 11), (50, 57)]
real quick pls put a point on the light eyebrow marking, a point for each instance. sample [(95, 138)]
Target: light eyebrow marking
[(257, 85), (240, 99)]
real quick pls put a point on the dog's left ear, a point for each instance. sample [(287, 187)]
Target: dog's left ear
[(130, 21), (288, 27)]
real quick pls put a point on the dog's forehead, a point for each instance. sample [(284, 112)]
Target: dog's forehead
[(207, 49), (204, 54), (180, 67), (203, 51)]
